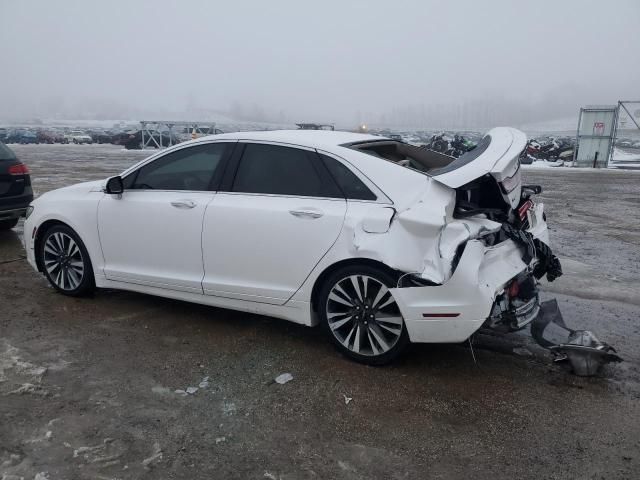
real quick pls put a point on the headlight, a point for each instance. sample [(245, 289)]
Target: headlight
[(29, 211)]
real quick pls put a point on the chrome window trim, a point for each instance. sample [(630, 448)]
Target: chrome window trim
[(279, 195)]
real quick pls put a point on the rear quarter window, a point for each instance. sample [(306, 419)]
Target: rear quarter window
[(352, 187)]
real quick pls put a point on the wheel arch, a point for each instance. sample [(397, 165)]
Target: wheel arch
[(42, 229), (327, 272)]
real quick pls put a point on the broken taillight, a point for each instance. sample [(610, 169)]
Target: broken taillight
[(524, 208), (514, 289), (18, 169)]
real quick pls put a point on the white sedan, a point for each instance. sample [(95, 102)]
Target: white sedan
[(380, 242)]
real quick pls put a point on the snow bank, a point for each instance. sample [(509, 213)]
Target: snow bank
[(620, 155)]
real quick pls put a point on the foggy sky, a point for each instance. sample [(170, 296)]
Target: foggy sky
[(335, 61)]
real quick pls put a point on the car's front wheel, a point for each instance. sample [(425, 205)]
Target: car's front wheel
[(66, 262), (360, 315)]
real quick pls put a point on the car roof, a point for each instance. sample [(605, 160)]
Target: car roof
[(308, 138)]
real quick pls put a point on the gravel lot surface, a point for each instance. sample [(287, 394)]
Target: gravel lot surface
[(88, 386)]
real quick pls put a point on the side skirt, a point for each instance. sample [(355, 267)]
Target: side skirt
[(294, 311)]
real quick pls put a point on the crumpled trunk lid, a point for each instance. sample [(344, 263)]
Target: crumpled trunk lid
[(497, 154)]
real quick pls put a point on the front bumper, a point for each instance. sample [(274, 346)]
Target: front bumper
[(29, 242)]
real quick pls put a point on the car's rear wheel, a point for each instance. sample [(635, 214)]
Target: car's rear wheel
[(8, 224), (66, 262), (361, 316)]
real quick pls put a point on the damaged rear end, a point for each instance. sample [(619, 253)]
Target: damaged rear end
[(493, 247)]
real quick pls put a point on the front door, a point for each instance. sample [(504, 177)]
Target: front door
[(152, 234)]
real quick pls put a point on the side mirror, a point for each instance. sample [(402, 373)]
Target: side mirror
[(114, 186)]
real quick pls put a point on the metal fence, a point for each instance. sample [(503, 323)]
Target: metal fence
[(162, 133)]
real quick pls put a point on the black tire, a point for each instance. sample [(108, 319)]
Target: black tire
[(372, 327), (8, 224), (63, 273)]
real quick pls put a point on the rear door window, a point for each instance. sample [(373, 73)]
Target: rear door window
[(278, 170)]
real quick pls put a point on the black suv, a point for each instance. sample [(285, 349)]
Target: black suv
[(15, 188)]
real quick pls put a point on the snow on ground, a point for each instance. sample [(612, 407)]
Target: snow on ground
[(620, 155), (624, 169), (541, 164)]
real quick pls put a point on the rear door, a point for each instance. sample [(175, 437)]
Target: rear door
[(279, 215)]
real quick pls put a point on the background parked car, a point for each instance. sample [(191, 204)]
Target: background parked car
[(21, 136), (78, 137), (44, 136), (100, 136), (15, 188)]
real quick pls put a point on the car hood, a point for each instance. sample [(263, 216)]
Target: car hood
[(78, 188)]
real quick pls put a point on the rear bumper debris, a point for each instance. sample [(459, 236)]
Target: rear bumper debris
[(584, 352)]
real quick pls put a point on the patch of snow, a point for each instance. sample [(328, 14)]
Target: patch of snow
[(160, 390), (110, 450), (624, 156), (283, 378), (228, 408), (204, 383), (10, 360), (29, 388), (156, 455)]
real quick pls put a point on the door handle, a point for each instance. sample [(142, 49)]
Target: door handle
[(307, 213), (183, 203)]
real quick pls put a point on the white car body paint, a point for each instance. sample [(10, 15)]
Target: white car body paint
[(273, 250), (248, 252), (168, 253)]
